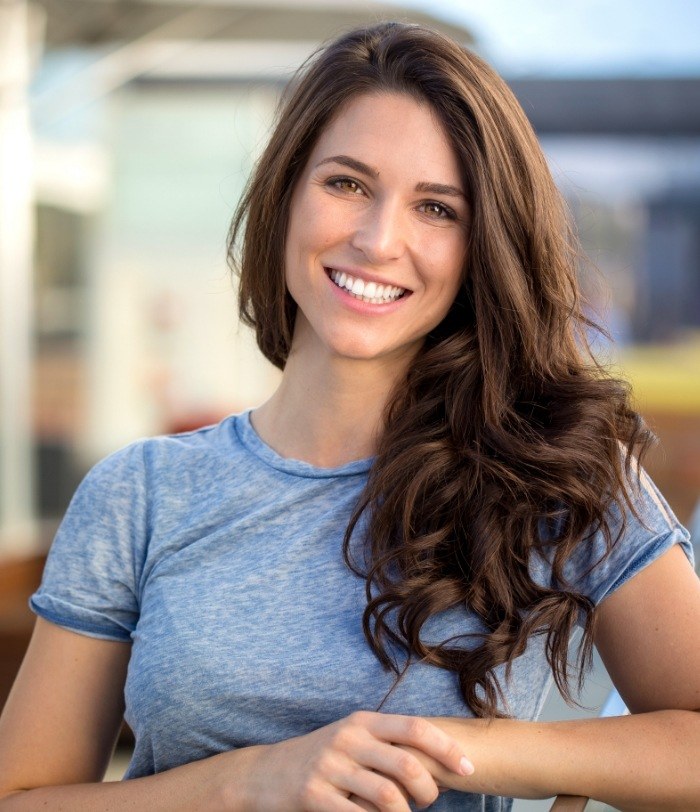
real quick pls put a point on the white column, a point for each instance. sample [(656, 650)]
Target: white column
[(17, 522)]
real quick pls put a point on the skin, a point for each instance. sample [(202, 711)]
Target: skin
[(344, 362), (59, 725)]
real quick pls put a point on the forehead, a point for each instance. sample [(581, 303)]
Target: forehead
[(388, 131)]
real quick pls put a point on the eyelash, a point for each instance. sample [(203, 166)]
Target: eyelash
[(450, 214), (335, 182)]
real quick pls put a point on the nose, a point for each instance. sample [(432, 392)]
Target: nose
[(380, 233)]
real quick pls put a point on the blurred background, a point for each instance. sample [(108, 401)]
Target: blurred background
[(127, 131)]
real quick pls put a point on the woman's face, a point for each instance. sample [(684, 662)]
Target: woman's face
[(377, 233)]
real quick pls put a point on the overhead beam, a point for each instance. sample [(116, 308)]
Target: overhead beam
[(627, 107)]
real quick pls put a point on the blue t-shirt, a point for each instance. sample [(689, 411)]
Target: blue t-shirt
[(222, 563)]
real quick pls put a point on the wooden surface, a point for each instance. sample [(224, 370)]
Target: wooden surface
[(674, 464), (19, 577), (568, 803)]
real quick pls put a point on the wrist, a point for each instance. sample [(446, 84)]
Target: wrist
[(232, 787)]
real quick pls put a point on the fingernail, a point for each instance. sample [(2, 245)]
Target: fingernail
[(465, 766)]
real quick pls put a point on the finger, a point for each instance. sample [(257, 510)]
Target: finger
[(362, 804), (403, 767), (421, 734), (331, 801), (378, 789)]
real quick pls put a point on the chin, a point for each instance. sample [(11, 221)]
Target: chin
[(356, 353), (366, 351)]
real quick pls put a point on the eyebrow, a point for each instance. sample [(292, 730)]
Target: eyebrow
[(366, 169)]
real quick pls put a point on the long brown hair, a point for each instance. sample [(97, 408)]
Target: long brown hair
[(504, 423)]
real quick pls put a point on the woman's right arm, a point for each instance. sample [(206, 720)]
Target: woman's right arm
[(60, 723), (59, 727)]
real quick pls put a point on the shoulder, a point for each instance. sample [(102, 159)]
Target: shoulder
[(150, 457), (654, 514), (641, 528), (116, 498)]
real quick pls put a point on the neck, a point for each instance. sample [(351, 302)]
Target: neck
[(327, 411)]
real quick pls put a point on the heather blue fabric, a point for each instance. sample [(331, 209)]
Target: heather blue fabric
[(221, 562)]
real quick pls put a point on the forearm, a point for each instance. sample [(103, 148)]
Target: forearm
[(640, 762), (207, 786)]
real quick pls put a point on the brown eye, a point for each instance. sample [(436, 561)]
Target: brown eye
[(438, 210), (346, 185)]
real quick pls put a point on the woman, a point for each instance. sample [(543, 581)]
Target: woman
[(354, 596)]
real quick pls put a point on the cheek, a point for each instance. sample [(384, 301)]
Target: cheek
[(446, 261), (325, 220), (300, 237), (301, 240)]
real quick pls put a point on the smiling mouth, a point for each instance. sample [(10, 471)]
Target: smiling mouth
[(365, 291)]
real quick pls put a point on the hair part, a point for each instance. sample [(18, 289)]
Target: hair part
[(504, 420)]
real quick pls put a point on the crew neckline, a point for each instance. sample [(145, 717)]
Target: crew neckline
[(252, 441)]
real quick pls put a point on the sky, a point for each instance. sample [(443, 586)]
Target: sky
[(580, 37)]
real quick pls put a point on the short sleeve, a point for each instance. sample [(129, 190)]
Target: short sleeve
[(91, 577), (645, 538)]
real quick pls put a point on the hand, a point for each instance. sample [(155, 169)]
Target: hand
[(355, 763), (368, 807)]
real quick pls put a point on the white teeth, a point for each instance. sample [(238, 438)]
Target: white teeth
[(367, 291)]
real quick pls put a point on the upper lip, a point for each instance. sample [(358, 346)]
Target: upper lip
[(357, 273)]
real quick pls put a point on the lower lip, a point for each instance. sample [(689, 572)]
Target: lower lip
[(361, 306)]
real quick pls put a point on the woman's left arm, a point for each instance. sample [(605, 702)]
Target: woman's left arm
[(648, 635)]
